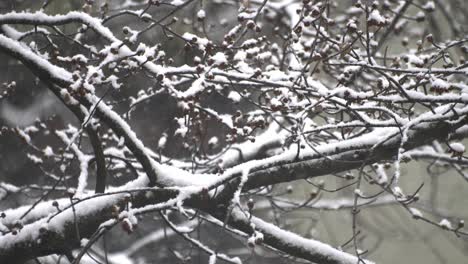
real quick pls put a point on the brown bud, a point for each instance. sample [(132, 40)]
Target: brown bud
[(259, 240), (251, 24), (250, 204), (430, 38), (127, 226), (461, 224), (251, 244)]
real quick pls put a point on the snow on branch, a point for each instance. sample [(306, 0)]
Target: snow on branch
[(40, 18), (289, 242)]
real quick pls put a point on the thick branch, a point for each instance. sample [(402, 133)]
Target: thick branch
[(43, 238)]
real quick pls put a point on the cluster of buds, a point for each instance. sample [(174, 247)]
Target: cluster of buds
[(16, 227), (244, 127), (440, 86), (10, 88), (81, 91), (252, 43), (375, 19), (230, 37), (310, 9), (253, 26)]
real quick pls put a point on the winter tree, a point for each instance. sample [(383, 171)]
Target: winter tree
[(255, 131)]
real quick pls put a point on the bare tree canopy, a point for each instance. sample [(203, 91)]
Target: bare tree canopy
[(196, 131)]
